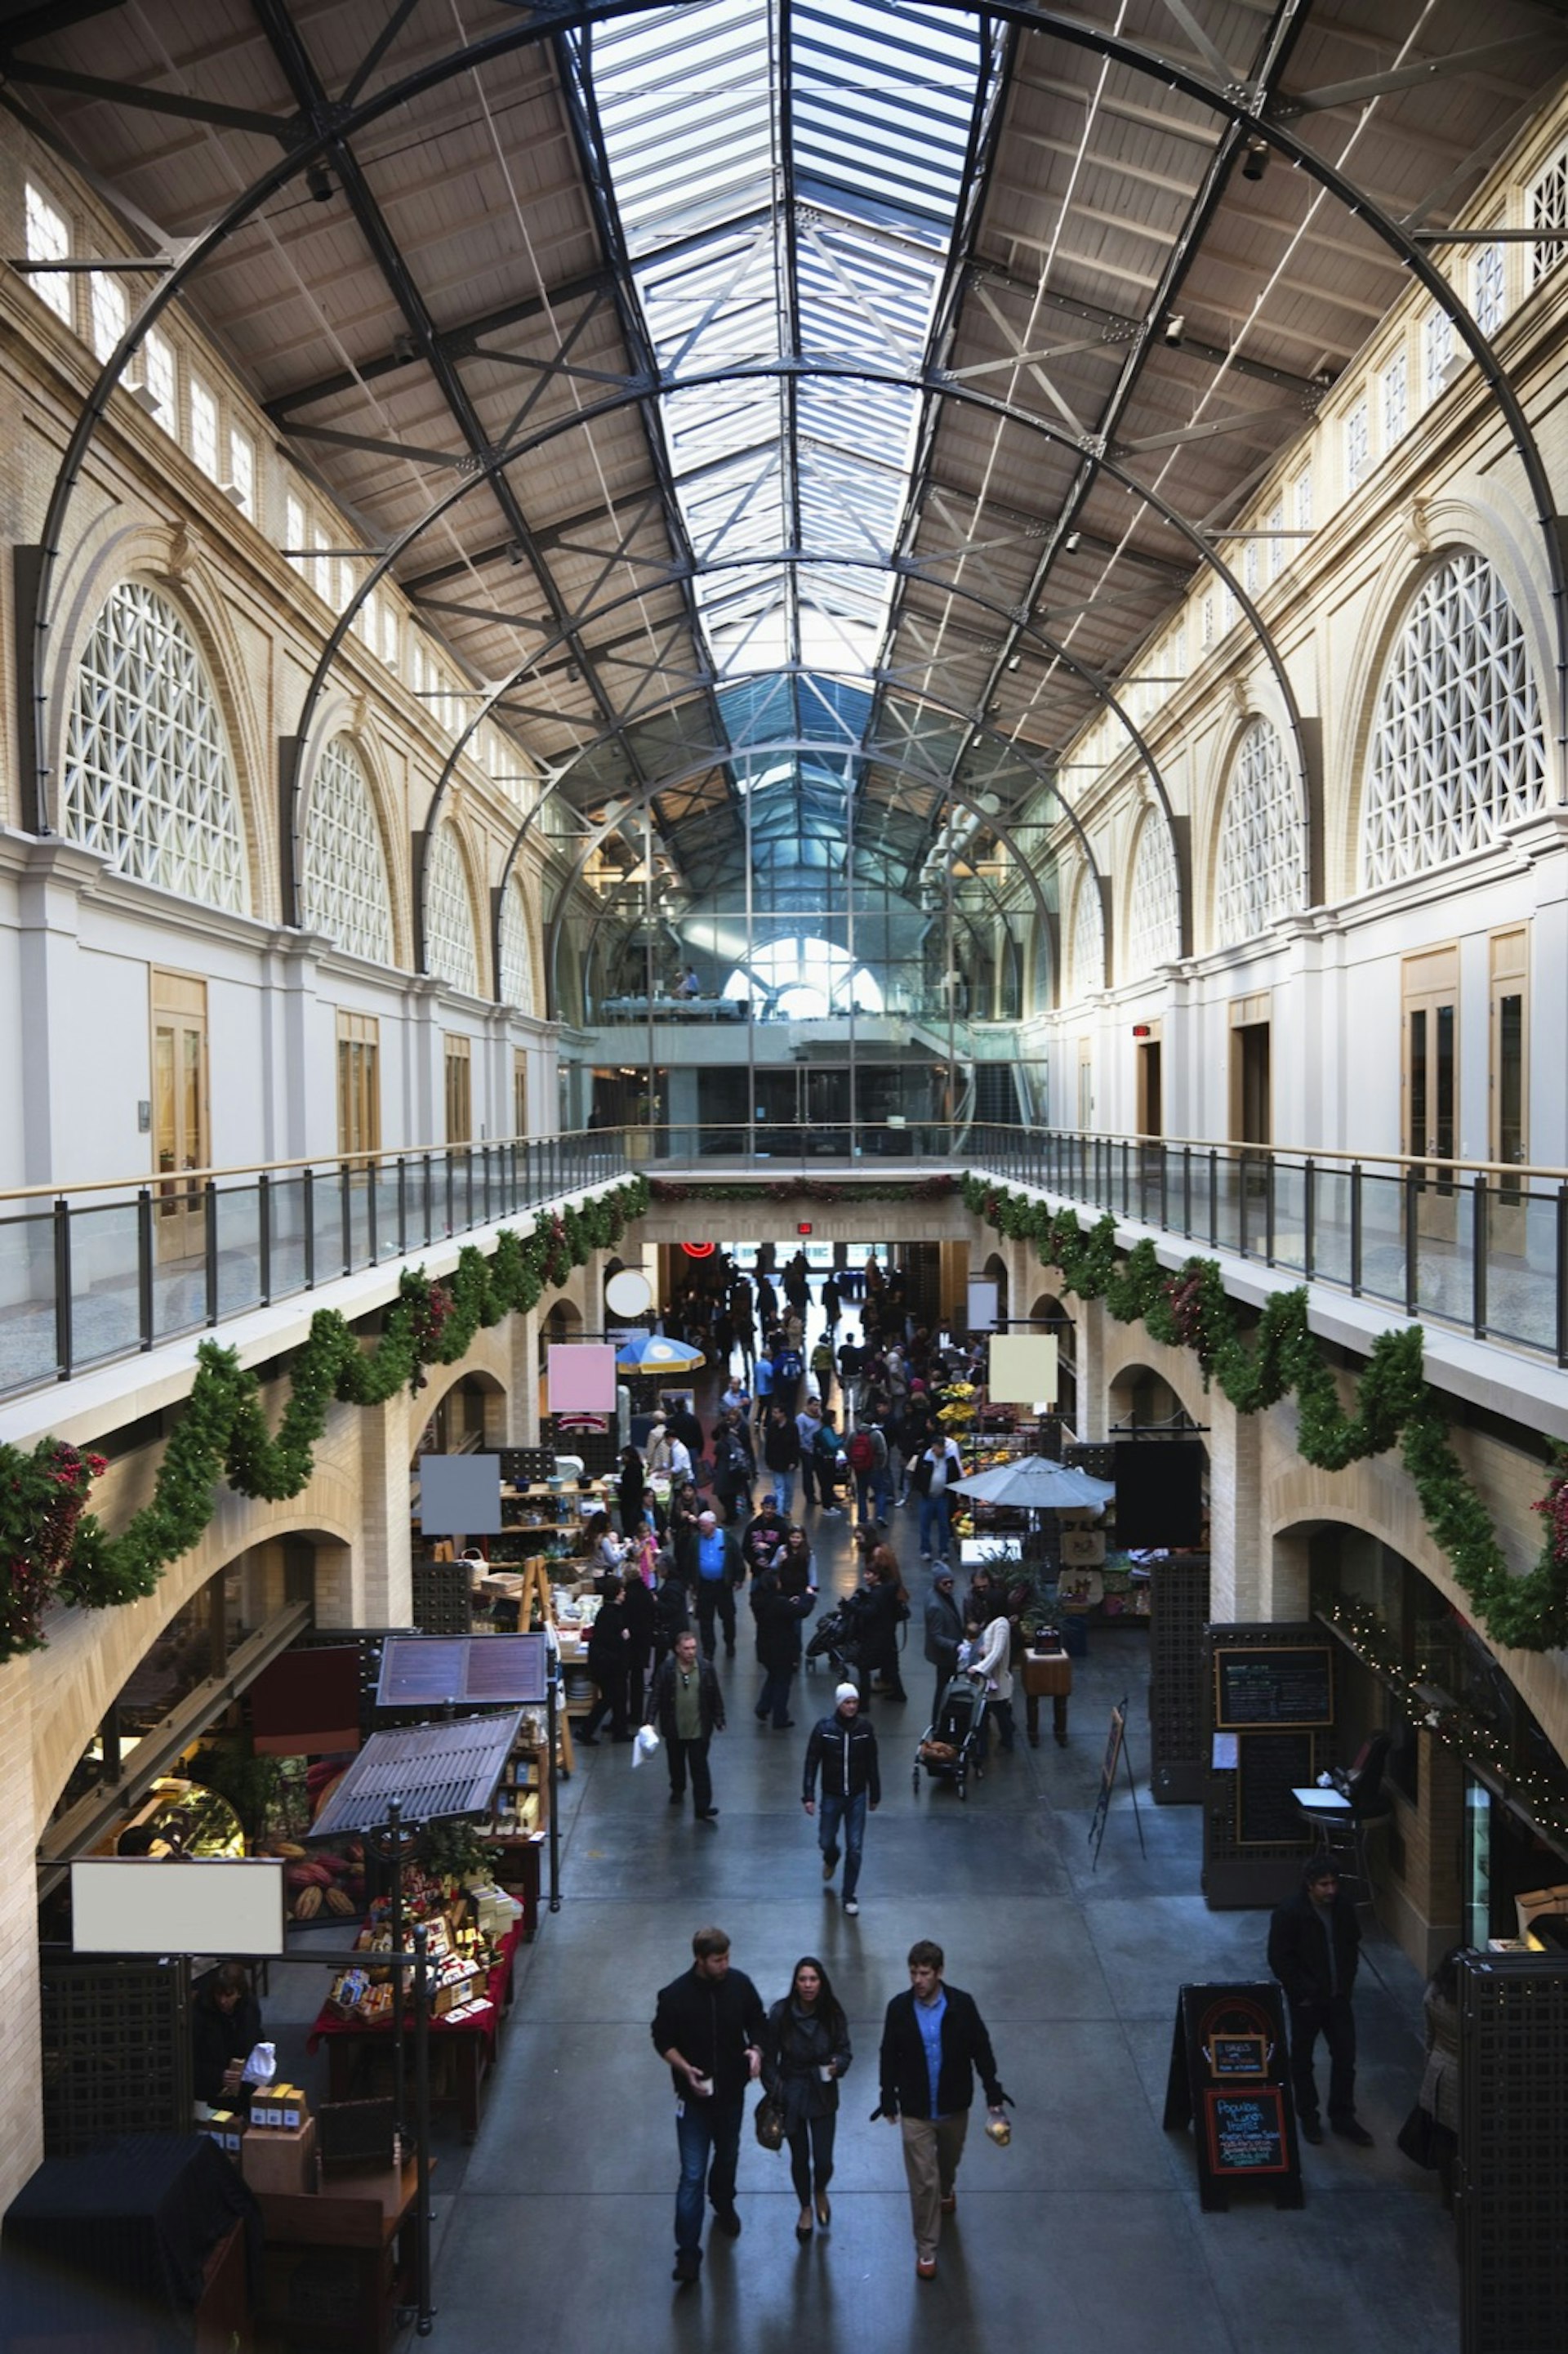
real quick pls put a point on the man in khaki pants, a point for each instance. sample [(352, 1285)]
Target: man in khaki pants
[(934, 2044)]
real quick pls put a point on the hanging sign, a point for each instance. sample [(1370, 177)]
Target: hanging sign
[(699, 1250)]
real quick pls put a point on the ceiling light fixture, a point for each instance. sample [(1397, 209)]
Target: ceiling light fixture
[(1176, 329), (318, 180), (1254, 159)]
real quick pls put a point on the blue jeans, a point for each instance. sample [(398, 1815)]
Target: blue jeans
[(783, 1489), (705, 2130), (934, 1516), (849, 1813), (873, 1492)]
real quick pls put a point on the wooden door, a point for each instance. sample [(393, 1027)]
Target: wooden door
[(180, 1124), (1252, 1103), (1507, 1092), (1151, 1105), (1430, 1085)]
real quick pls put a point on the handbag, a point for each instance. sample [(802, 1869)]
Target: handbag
[(1415, 2138), (769, 2121)]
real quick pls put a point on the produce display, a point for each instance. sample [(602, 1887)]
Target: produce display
[(321, 1882)]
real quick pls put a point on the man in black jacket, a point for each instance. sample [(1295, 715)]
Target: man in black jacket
[(934, 2044), (1314, 1945), (686, 1703), (707, 2029), (843, 1746)]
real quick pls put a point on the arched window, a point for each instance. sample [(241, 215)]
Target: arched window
[(344, 892), (1263, 840), (517, 952), (1457, 747), (148, 780), (804, 979), (1087, 968), (451, 950), (1154, 904)]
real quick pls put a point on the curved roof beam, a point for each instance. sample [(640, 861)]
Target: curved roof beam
[(1239, 105)]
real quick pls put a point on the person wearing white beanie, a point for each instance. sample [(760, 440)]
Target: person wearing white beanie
[(843, 1748)]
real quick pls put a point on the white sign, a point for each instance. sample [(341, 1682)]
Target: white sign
[(1022, 1369), (175, 1904), (985, 1299)]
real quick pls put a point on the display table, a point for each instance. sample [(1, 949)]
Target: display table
[(1047, 1674), (332, 2260), (140, 2247), (464, 2049)]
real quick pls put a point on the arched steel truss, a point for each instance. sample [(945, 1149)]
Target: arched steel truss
[(309, 137)]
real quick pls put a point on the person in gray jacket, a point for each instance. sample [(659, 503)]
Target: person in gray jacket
[(944, 1633)]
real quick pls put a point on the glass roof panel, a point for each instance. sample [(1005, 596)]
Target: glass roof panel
[(803, 238)]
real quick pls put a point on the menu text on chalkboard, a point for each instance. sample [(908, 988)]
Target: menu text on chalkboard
[(1270, 1768), (1245, 2131), (1285, 1686), (1228, 2079)]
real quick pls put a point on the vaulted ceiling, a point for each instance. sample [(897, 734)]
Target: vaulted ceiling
[(795, 414)]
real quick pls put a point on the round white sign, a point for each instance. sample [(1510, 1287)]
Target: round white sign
[(628, 1293)]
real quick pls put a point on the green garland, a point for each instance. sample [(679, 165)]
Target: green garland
[(222, 1434), (1393, 1405)]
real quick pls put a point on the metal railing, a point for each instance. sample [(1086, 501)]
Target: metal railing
[(1478, 1245), (112, 1269), (107, 1271)]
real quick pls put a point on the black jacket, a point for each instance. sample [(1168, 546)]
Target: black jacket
[(661, 1700), (847, 1756), (1299, 1949), (965, 2054), (218, 2038), (609, 1640), (782, 1445), (781, 1614), (795, 2046), (710, 2022)]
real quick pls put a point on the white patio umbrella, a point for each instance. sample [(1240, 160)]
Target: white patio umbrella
[(1033, 1483)]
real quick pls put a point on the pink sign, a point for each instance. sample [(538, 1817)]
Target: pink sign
[(582, 1377)]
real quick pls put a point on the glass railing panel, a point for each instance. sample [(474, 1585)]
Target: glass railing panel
[(106, 1313), (1521, 1267), (286, 1215), (179, 1262), (1289, 1182), (1382, 1236), (27, 1352), (384, 1180), (239, 1257), (326, 1220), (360, 1187), (1332, 1226), (1445, 1251)]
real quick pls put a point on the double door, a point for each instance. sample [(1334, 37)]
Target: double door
[(181, 1139)]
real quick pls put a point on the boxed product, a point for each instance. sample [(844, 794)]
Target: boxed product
[(280, 2159)]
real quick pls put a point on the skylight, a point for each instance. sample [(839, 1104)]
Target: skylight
[(787, 179)]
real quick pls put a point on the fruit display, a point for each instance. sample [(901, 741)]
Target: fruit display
[(321, 1882)]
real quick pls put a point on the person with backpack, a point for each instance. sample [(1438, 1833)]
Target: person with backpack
[(822, 1369), (788, 1372), (807, 1422), (866, 1453), (827, 1452)]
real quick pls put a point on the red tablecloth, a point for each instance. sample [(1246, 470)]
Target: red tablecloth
[(497, 1995)]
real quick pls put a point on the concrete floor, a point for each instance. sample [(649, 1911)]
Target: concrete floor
[(555, 2229)]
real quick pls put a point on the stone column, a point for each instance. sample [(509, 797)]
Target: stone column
[(1093, 1406), (21, 2108), (523, 1399), (1238, 1590), (381, 1580)]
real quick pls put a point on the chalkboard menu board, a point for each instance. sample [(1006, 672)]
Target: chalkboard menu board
[(1271, 1768), (1245, 2131), (1281, 1686), (1228, 2078)]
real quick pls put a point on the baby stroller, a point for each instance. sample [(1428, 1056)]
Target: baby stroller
[(836, 1639), (950, 1749)]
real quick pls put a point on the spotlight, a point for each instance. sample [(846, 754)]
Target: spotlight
[(1175, 329), (1254, 159), (1071, 542), (318, 180)]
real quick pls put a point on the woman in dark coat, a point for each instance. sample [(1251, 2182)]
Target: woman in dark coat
[(884, 1607), (642, 1623), (609, 1662), (630, 1490), (787, 1601), (225, 2026), (805, 2050)]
